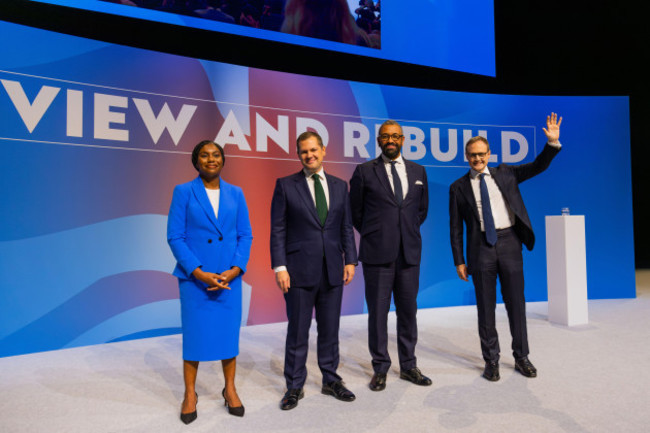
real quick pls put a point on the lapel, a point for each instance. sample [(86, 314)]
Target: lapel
[(497, 179), (410, 177), (303, 191), (202, 197), (494, 172), (466, 189), (380, 171)]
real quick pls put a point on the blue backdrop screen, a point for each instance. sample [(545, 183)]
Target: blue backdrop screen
[(94, 137)]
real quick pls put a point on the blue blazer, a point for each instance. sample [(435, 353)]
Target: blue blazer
[(198, 238), (463, 208), (297, 239), (381, 222)]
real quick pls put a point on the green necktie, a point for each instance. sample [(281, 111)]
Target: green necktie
[(321, 201)]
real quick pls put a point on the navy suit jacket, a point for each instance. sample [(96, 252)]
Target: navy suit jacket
[(382, 223), (299, 242), (199, 238), (463, 208)]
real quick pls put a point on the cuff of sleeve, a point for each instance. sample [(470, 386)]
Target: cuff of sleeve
[(557, 145), (279, 269), (190, 265), (243, 269)]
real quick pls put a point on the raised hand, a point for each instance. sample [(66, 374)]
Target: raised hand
[(552, 129)]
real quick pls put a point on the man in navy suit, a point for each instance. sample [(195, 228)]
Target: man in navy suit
[(488, 201), (313, 254), (389, 200)]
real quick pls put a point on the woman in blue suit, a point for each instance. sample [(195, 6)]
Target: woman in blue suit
[(209, 233)]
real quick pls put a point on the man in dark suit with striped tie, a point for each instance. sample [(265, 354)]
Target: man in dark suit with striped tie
[(313, 254), (488, 202)]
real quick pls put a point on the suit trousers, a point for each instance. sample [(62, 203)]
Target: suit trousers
[(503, 260), (402, 282), (301, 302)]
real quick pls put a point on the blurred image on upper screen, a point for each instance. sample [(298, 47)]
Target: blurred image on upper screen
[(450, 34)]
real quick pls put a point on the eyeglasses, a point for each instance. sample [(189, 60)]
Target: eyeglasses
[(386, 137), (479, 155)]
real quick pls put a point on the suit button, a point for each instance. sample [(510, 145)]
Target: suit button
[(220, 238), (209, 241)]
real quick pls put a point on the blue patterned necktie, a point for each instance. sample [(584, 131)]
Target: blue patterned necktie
[(397, 184), (488, 219)]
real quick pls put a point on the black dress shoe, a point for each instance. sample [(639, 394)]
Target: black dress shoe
[(415, 375), (525, 367), (378, 382), (338, 390), (291, 397), (491, 371), (190, 417), (236, 411)]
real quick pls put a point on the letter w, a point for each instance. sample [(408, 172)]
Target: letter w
[(165, 120)]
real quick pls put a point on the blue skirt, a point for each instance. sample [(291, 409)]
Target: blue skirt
[(211, 320)]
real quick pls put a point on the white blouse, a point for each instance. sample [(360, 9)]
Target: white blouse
[(213, 196)]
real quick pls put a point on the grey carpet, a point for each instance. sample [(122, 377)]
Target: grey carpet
[(592, 378)]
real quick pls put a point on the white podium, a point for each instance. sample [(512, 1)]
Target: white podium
[(566, 269)]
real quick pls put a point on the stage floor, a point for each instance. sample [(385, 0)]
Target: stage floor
[(591, 378)]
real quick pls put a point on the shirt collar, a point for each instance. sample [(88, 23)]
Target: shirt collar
[(473, 173), (387, 160), (320, 173)]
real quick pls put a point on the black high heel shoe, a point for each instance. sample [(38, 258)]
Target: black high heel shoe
[(190, 417), (237, 411)]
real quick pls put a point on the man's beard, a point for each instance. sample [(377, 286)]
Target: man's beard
[(391, 153)]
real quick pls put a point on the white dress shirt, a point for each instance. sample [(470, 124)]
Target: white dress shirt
[(503, 216), (501, 212), (401, 172)]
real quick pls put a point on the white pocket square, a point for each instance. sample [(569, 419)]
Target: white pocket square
[(418, 182)]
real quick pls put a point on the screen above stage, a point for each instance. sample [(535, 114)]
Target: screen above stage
[(448, 34)]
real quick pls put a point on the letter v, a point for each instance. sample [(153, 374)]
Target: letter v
[(30, 113)]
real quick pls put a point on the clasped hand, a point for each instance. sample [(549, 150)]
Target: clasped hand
[(216, 281)]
